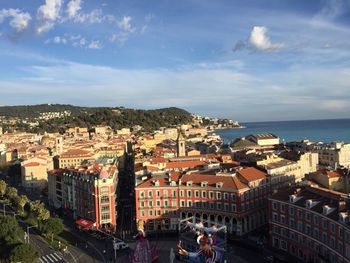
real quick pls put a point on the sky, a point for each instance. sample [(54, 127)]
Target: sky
[(249, 60)]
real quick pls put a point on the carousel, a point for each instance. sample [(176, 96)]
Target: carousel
[(201, 241)]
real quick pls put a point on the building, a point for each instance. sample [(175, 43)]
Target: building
[(34, 172), (72, 157), (181, 145), (236, 198), (334, 154), (267, 139), (311, 223), (87, 191), (337, 180)]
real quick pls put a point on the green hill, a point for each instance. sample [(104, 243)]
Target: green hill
[(89, 117)]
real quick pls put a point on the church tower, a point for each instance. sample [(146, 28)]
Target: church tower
[(59, 145), (181, 144)]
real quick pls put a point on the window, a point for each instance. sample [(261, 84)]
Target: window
[(143, 213), (197, 204), (283, 219), (226, 207), (189, 203), (165, 193), (196, 194), (204, 194), (158, 203), (142, 194), (105, 216), (316, 220), (233, 197), (150, 204), (283, 208), (274, 205), (219, 206), (105, 200), (174, 193), (233, 208), (308, 216), (291, 211), (158, 193), (181, 193), (165, 203), (142, 204), (324, 224), (149, 193), (225, 196), (204, 205), (182, 203), (105, 208), (150, 212), (316, 233), (274, 217), (218, 195), (211, 195), (189, 193), (158, 212), (211, 205), (300, 214), (332, 228), (283, 245), (104, 190)]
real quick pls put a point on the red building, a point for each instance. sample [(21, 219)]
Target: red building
[(236, 198), (88, 191), (311, 224)]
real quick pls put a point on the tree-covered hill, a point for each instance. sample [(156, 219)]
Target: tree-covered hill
[(89, 117)]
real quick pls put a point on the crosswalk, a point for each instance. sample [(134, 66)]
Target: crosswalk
[(51, 258)]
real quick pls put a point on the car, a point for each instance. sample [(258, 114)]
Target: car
[(120, 244)]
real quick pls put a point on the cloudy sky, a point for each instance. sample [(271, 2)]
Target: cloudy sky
[(249, 60)]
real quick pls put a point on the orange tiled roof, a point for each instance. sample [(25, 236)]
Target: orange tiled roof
[(251, 174), (32, 164), (185, 164)]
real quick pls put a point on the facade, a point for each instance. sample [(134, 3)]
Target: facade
[(237, 198), (334, 154), (73, 157), (88, 191), (34, 173), (311, 223)]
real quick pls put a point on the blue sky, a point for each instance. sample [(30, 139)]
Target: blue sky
[(246, 60)]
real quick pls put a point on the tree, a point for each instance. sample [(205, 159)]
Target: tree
[(10, 232), (39, 210), (53, 226), (11, 192), (3, 187), (21, 201), (24, 253)]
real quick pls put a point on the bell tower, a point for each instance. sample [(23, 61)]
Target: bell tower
[(181, 144), (59, 145)]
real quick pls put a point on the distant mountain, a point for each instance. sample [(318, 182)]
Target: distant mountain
[(57, 117)]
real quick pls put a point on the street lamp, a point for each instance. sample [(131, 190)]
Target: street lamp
[(29, 227), (115, 249)]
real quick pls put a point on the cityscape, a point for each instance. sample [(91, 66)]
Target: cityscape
[(187, 131)]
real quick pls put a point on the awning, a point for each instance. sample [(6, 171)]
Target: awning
[(84, 223)]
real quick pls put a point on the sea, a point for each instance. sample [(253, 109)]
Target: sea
[(313, 130)]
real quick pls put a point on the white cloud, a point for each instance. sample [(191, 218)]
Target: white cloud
[(75, 41), (50, 10), (59, 40), (94, 17), (44, 27), (95, 45), (259, 40), (48, 14), (19, 20), (73, 7), (125, 24)]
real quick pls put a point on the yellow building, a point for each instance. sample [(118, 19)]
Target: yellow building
[(73, 157), (332, 180), (34, 172)]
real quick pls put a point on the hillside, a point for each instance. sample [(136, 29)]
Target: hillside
[(56, 117)]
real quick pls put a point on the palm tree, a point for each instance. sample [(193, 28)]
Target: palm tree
[(3, 187)]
